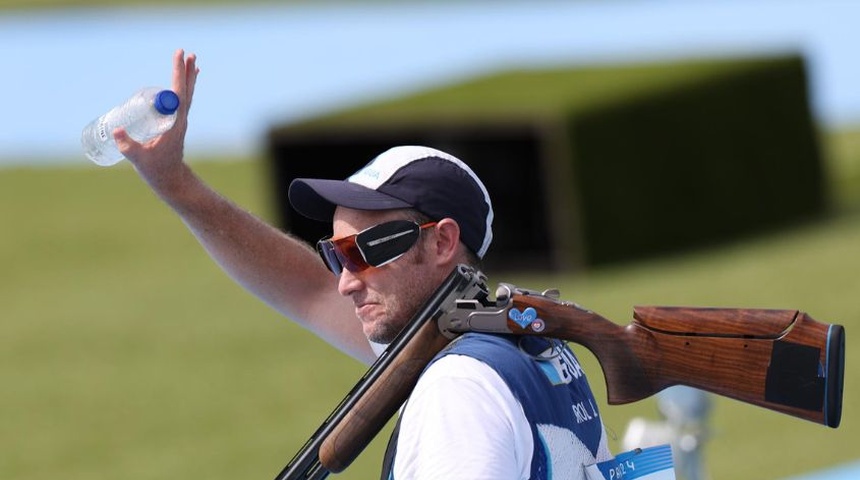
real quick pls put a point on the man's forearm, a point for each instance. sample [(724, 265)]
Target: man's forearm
[(280, 269)]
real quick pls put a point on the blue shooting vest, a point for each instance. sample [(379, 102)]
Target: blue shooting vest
[(552, 389)]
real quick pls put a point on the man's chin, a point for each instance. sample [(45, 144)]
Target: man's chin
[(378, 335)]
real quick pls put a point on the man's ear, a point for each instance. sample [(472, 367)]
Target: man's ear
[(447, 240)]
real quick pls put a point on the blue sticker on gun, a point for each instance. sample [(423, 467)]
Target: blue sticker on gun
[(524, 318), (794, 376)]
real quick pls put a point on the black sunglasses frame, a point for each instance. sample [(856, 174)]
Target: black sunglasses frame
[(374, 246)]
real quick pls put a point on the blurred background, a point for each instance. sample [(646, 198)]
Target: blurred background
[(639, 153)]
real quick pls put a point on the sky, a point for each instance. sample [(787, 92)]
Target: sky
[(268, 64)]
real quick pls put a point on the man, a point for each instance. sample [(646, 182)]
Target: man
[(489, 407)]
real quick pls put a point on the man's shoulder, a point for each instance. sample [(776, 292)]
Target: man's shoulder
[(498, 353), (474, 358), (481, 342), (536, 362), (510, 350)]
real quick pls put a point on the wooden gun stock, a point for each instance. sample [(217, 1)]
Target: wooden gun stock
[(782, 360)]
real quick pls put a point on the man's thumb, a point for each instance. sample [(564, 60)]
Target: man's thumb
[(125, 144)]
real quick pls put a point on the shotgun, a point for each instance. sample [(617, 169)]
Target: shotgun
[(782, 360)]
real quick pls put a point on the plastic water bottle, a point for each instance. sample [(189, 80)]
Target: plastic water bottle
[(145, 115)]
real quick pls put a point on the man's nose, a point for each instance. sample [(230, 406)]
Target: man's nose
[(348, 283)]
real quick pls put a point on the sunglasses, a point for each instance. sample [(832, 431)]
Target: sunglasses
[(372, 247)]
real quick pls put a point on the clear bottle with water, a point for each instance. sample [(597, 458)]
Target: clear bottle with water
[(145, 115)]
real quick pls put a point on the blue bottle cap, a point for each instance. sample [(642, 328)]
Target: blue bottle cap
[(166, 102)]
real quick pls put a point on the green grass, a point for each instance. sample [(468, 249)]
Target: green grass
[(126, 353)]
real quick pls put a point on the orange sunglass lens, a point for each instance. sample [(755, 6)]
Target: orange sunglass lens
[(349, 255)]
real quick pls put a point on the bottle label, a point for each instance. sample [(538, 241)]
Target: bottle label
[(102, 129)]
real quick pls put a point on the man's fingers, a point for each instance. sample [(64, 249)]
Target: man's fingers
[(179, 85), (191, 72), (184, 77)]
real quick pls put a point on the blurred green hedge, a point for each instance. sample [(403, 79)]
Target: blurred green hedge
[(595, 165)]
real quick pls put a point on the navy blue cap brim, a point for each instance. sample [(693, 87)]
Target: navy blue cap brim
[(317, 198)]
